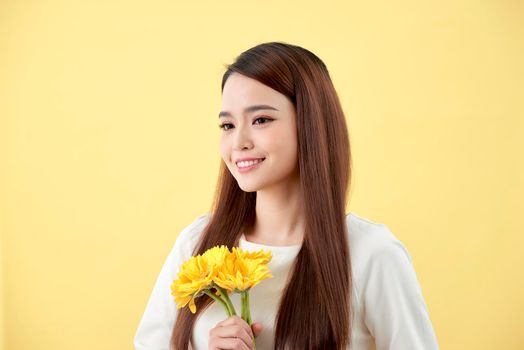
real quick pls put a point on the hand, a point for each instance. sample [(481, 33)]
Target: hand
[(233, 333)]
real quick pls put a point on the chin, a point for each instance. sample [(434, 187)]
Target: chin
[(248, 188)]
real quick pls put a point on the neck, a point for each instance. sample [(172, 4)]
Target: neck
[(280, 217)]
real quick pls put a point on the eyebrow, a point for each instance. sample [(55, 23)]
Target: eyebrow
[(248, 110)]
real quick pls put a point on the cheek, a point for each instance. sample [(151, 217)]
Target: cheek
[(285, 145), (224, 152), (278, 137), (292, 147), (286, 137)]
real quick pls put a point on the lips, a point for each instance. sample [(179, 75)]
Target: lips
[(247, 168), (260, 160), (247, 159)]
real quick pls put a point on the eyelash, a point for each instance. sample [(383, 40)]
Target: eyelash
[(222, 126)]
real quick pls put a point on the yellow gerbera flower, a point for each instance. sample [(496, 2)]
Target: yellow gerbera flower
[(216, 255), (243, 270), (262, 256), (195, 276)]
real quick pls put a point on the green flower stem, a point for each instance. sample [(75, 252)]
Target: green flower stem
[(224, 294), (243, 295), (218, 299), (243, 307), (246, 313)]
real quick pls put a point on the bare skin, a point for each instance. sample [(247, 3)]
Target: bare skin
[(271, 134), (233, 333), (259, 122)]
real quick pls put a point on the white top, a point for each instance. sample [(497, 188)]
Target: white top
[(389, 308)]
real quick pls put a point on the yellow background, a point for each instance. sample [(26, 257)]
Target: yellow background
[(109, 148)]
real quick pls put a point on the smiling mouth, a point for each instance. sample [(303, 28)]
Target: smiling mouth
[(253, 165)]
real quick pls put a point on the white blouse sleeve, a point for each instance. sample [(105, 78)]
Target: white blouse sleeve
[(394, 308), (156, 324)]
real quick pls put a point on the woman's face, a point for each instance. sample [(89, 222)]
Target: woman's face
[(268, 132)]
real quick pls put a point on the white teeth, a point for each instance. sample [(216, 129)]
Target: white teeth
[(248, 163)]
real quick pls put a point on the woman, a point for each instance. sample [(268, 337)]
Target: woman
[(339, 281)]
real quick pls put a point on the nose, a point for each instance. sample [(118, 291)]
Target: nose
[(242, 138)]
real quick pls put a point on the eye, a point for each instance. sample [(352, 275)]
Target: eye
[(224, 126), (259, 118)]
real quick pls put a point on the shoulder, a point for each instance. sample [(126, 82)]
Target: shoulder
[(372, 244), (389, 295), (371, 235), (190, 234)]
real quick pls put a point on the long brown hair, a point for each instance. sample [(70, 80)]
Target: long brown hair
[(315, 309)]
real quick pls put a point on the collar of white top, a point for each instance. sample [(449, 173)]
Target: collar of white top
[(283, 248)]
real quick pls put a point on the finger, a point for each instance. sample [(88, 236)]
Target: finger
[(231, 344), (257, 328), (235, 331), (236, 320), (230, 320)]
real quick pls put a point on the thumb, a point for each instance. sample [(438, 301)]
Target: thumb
[(256, 327)]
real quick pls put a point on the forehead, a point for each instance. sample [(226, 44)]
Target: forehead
[(240, 91)]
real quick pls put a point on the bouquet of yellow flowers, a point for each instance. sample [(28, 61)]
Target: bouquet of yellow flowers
[(226, 271)]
